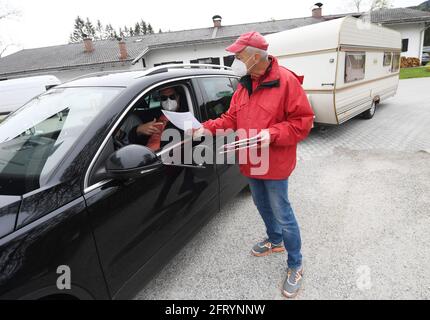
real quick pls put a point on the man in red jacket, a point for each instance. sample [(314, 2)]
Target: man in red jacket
[(270, 101)]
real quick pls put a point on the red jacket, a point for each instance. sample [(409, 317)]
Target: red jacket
[(276, 101)]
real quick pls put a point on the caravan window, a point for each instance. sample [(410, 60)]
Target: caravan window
[(388, 57), (396, 62), (355, 66)]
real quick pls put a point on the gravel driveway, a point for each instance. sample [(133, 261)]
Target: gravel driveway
[(361, 193)]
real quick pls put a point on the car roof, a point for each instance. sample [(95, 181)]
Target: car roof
[(130, 78)]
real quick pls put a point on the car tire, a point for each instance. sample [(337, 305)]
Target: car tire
[(369, 114)]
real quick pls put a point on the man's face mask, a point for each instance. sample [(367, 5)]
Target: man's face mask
[(169, 103), (239, 67)]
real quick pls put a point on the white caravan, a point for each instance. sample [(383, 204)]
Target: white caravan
[(349, 66), (14, 93)]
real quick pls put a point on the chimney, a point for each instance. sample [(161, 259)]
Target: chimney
[(89, 46), (317, 12), (122, 50), (217, 21)]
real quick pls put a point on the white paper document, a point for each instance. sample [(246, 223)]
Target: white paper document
[(182, 120)]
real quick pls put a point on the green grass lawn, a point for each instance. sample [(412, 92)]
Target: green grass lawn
[(409, 73)]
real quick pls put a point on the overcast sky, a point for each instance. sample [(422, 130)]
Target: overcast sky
[(49, 22)]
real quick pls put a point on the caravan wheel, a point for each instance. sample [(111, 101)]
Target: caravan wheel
[(368, 114)]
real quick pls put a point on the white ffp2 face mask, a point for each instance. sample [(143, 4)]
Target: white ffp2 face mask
[(169, 105), (239, 68)]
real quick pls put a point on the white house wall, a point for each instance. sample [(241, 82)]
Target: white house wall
[(185, 54), (416, 39)]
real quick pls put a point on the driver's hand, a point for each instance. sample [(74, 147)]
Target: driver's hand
[(149, 128), (197, 133)]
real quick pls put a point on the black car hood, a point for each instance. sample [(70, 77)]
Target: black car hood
[(9, 208)]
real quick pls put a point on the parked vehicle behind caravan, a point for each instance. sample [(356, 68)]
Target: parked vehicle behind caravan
[(14, 93), (349, 66), (425, 58)]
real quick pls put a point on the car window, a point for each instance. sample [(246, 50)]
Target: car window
[(218, 93), (136, 126), (234, 83), (152, 100), (35, 139)]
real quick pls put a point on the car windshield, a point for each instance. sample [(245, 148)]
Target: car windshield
[(35, 139)]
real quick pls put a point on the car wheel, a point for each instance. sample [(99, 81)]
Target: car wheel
[(368, 114)]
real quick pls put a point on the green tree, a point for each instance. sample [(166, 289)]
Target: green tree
[(82, 30), (116, 36), (150, 30), (100, 34), (137, 29), (89, 28), (79, 31), (110, 32), (143, 27)]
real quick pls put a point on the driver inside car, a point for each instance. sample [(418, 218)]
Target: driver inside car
[(149, 134)]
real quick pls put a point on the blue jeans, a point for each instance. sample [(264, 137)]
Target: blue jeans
[(271, 199)]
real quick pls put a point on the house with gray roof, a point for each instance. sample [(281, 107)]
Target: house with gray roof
[(412, 24), (203, 45)]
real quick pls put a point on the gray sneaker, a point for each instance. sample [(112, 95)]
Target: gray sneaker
[(293, 282), (265, 248)]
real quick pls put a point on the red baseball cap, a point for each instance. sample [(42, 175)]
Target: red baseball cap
[(252, 39)]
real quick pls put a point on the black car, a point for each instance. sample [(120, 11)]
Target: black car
[(79, 203)]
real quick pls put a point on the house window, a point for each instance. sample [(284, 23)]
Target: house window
[(396, 62), (405, 45), (228, 60), (388, 57), (355, 64), (206, 61), (170, 62)]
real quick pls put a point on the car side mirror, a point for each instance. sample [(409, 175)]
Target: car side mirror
[(132, 161)]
